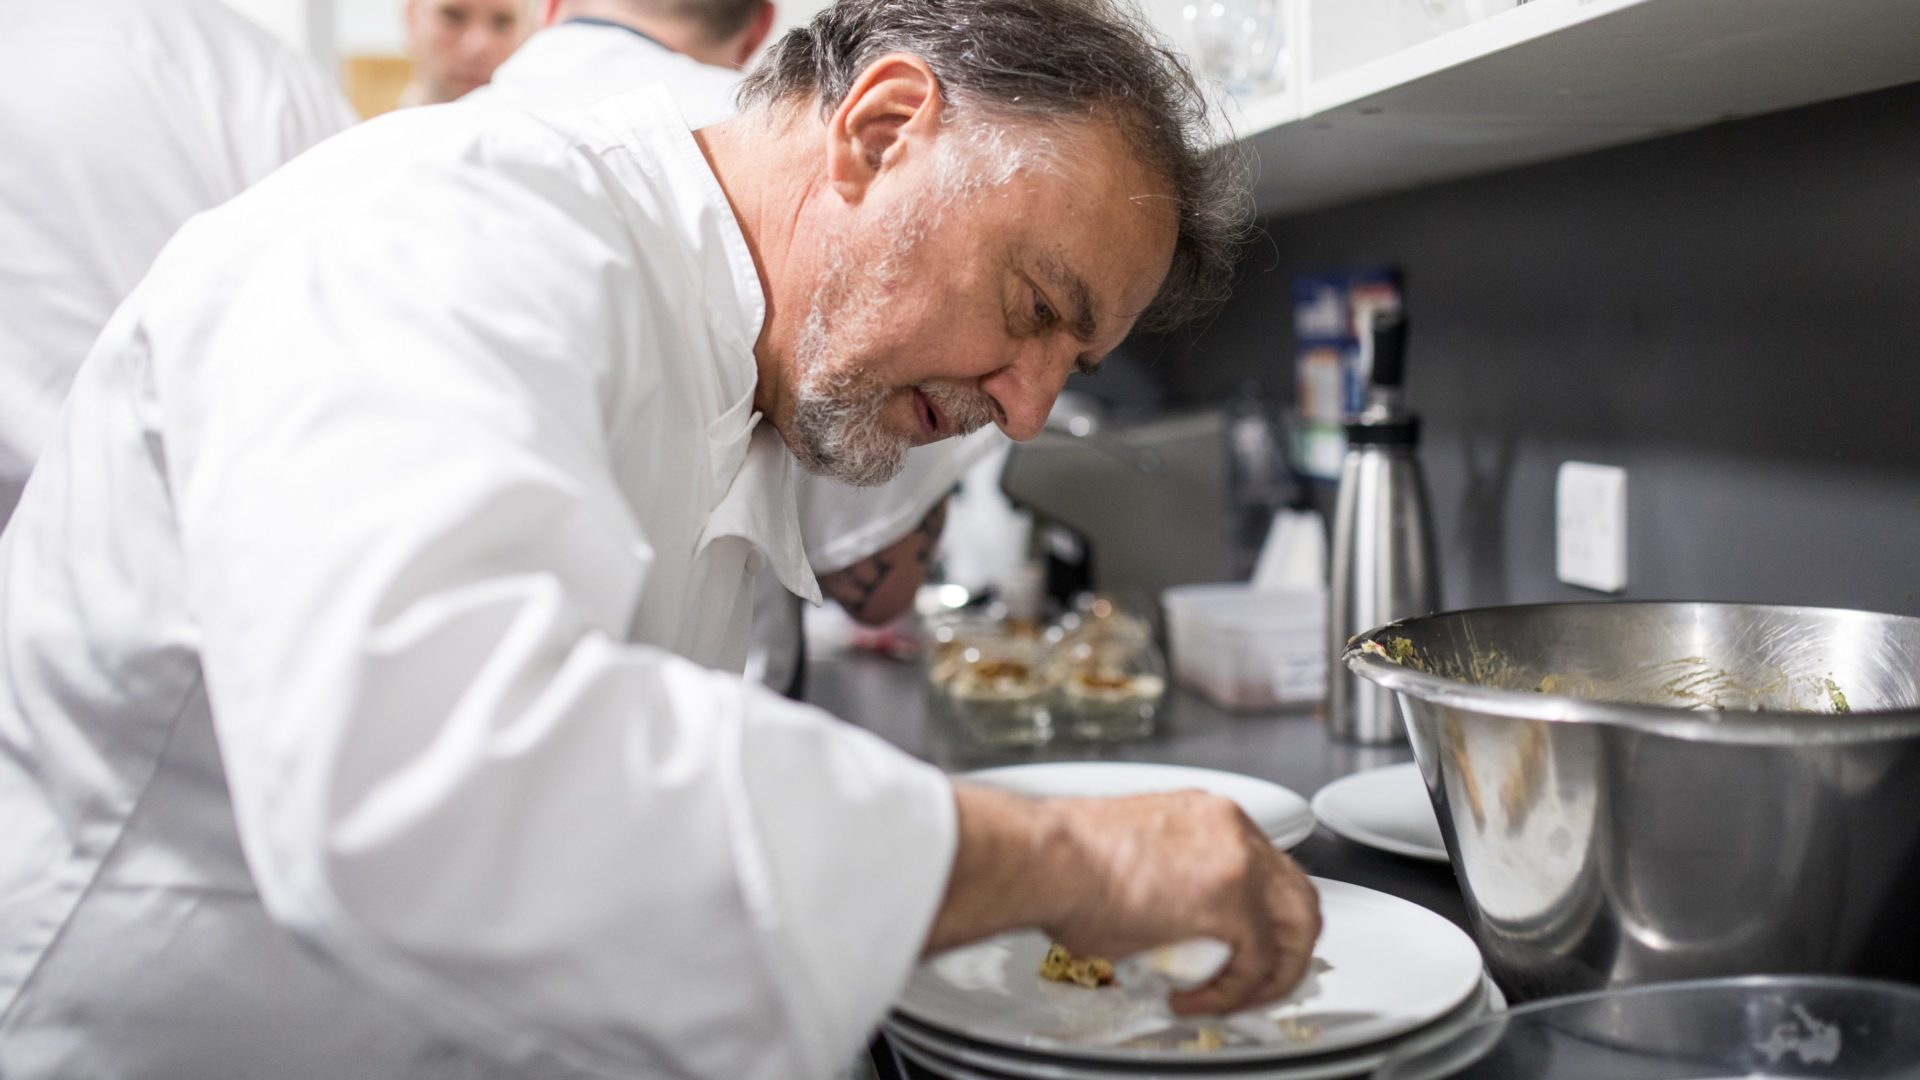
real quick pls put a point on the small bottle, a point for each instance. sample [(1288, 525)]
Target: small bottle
[(1383, 561), (1258, 481)]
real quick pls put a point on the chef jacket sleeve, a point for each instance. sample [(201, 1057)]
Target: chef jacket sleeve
[(412, 573)]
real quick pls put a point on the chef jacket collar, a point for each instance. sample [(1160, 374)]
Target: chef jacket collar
[(647, 121), (589, 20), (749, 461), (759, 507)]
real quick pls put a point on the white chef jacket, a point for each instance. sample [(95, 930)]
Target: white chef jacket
[(120, 119), (366, 633), (581, 61)]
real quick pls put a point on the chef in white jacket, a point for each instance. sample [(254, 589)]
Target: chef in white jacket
[(869, 547), (587, 50), (370, 629), (120, 119)]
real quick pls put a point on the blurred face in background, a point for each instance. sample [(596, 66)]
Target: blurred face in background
[(456, 44)]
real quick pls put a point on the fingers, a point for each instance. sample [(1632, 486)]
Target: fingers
[(1148, 870), (1245, 972), (1269, 961), (1285, 976)]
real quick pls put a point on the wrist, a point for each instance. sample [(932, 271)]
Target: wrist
[(1012, 857), (1060, 862)]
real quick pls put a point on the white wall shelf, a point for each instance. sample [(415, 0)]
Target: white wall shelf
[(1554, 78)]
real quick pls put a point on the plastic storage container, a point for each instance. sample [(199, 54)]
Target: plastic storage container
[(1245, 649)]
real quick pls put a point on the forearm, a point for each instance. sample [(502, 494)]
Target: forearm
[(880, 588), (1008, 848)]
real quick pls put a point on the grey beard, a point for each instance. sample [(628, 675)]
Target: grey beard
[(841, 435), (837, 426)]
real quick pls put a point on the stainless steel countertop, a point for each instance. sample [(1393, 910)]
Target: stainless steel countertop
[(887, 697)]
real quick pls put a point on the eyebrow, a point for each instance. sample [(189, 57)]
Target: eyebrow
[(1083, 320)]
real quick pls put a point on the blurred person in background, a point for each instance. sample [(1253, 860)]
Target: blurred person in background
[(870, 548), (593, 49), (119, 120), (455, 45), (372, 627)]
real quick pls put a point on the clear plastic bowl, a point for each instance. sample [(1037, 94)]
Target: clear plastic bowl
[(1753, 1028)]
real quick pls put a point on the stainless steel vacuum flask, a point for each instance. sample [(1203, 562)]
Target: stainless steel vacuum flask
[(1384, 566)]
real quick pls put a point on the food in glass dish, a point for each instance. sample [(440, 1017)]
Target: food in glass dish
[(1108, 687), (1000, 693), (1105, 703)]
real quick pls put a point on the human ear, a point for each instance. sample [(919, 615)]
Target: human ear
[(892, 107)]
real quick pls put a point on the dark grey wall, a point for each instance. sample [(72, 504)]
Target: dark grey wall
[(1732, 314)]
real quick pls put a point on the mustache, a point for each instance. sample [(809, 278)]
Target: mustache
[(966, 411)]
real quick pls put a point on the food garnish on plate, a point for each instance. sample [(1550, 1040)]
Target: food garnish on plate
[(1092, 972)]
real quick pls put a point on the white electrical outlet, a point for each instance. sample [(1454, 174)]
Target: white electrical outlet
[(1590, 526)]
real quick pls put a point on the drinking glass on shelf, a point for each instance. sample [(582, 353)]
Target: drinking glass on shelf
[(1240, 43)]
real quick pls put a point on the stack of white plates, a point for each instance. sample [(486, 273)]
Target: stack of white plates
[(1279, 812), (1388, 976)]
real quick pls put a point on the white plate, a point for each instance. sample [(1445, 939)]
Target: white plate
[(1280, 813), (947, 1056), (1385, 967), (1384, 808)]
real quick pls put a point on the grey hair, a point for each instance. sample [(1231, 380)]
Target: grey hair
[(1048, 61)]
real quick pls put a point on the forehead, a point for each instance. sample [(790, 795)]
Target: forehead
[(480, 7), (1095, 213)]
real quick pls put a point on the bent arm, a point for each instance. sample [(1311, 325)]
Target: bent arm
[(412, 571)]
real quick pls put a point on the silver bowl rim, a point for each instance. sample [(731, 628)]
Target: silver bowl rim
[(1760, 727), (1886, 988)]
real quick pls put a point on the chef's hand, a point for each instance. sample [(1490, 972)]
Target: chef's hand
[(1111, 877)]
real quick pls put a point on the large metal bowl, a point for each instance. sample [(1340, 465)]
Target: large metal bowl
[(1642, 792)]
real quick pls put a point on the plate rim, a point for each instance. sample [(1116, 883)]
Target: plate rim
[(1485, 1000), (1345, 827), (1107, 1056), (1298, 829)]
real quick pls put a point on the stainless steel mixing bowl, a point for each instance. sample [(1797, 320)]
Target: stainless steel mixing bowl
[(1642, 792)]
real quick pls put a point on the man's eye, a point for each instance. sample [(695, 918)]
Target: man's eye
[(1043, 312)]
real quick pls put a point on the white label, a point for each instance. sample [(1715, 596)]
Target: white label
[(1590, 526)]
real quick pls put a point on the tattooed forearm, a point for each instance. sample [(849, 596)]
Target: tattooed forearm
[(854, 587), (881, 587), (928, 531)]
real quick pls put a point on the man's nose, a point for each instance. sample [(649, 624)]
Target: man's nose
[(1025, 388), (479, 41)]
